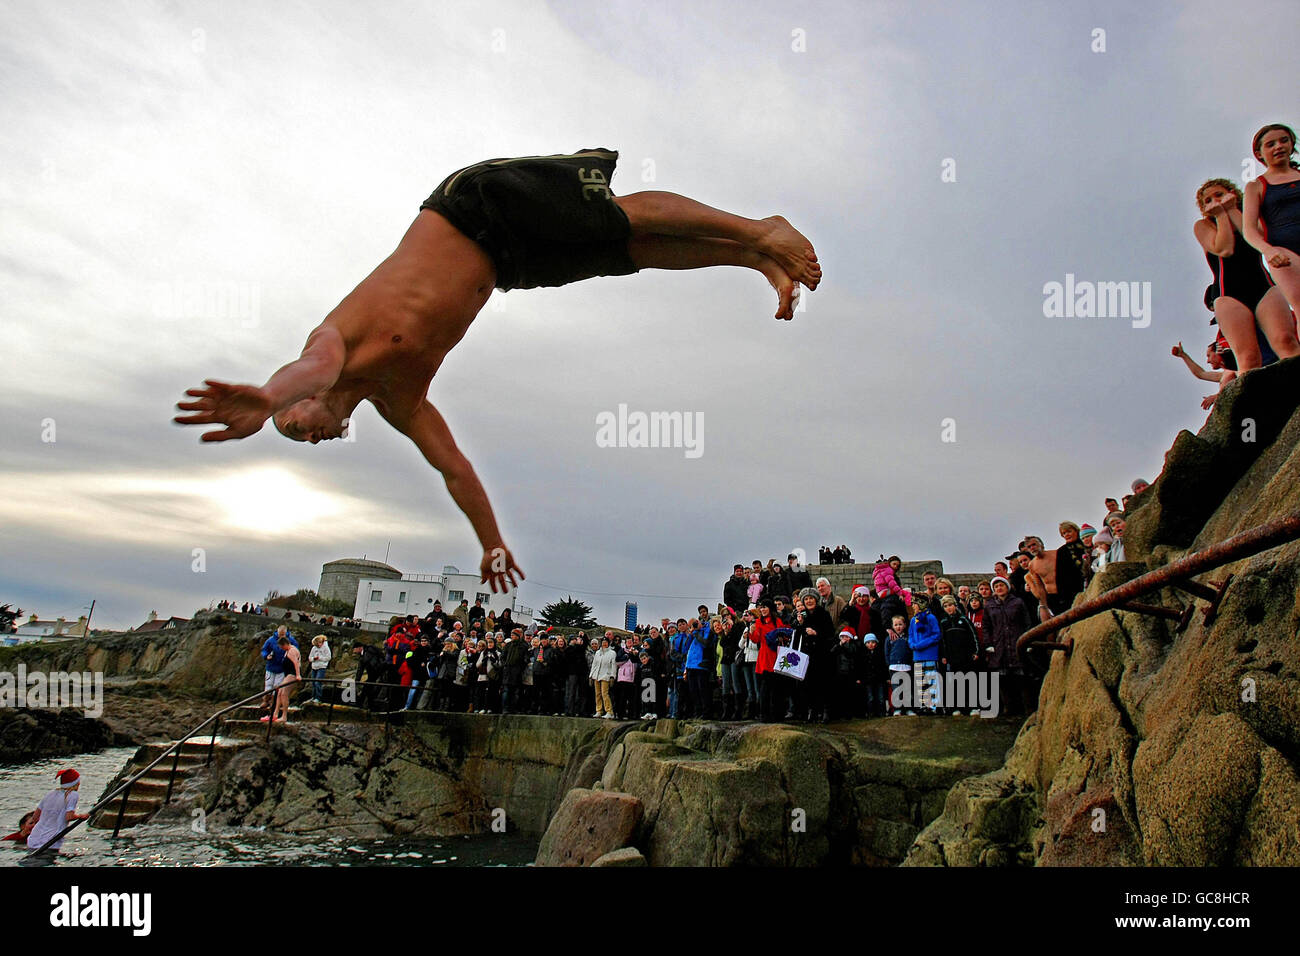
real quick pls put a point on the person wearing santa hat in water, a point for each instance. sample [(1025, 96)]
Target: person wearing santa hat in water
[(56, 810)]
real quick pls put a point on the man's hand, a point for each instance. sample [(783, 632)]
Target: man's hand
[(1208, 401), (243, 409), (497, 567), (1277, 258), (1035, 584), (1178, 350)]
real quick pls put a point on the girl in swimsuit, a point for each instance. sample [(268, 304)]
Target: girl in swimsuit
[(1271, 211), (288, 687), (1247, 297)]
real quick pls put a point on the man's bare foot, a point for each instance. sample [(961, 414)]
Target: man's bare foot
[(787, 290), (791, 250)]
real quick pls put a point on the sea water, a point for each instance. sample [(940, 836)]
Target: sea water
[(176, 843)]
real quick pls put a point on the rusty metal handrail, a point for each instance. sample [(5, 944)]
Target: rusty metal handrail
[(1242, 545)]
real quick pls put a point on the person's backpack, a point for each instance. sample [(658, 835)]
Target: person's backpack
[(627, 671)]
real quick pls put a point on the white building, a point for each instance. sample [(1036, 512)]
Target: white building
[(379, 599), (36, 630)]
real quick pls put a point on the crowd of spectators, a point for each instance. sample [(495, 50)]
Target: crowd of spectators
[(838, 555), (723, 663), (284, 614)]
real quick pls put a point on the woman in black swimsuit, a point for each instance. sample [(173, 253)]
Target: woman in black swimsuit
[(1247, 301)]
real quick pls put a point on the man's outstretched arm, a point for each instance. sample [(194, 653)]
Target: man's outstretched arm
[(1205, 375), (244, 409), (427, 428)]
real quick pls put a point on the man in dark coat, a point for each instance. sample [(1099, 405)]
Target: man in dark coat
[(735, 593)]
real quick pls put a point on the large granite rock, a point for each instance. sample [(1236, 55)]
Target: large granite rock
[(1152, 747), (779, 795), (32, 733), (588, 827), (433, 774)]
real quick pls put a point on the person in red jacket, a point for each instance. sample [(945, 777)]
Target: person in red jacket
[(765, 622)]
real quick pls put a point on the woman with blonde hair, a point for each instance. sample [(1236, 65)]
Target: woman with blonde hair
[(1245, 300), (317, 662)]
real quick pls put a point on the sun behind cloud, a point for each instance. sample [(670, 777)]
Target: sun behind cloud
[(272, 500), (250, 503)]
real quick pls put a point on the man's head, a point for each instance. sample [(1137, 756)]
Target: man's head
[(929, 579), (1034, 545), (984, 589), (824, 587), (738, 571), (1000, 568), (311, 420), (1112, 505)]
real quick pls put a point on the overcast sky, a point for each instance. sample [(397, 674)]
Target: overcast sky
[(269, 156)]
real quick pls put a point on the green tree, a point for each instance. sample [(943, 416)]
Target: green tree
[(567, 613)]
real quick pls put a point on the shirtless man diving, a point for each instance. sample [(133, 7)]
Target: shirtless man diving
[(508, 224)]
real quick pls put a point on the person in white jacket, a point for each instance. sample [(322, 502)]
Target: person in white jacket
[(603, 673), (317, 661)]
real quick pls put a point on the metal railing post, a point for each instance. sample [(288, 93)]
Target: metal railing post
[(121, 811), (171, 780), (212, 742)]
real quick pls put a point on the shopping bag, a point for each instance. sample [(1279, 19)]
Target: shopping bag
[(791, 661)]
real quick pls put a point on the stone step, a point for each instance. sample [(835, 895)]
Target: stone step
[(147, 793), (106, 821), (134, 804)]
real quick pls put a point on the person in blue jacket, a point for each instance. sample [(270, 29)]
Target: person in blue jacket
[(678, 656), (701, 662), (923, 638), (273, 661)]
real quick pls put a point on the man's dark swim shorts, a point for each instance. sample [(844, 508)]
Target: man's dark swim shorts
[(544, 220)]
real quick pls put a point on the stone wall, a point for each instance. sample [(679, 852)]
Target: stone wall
[(844, 577)]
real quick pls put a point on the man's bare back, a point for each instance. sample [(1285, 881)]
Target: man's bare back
[(388, 337)]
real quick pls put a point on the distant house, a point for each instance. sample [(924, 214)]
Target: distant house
[(155, 623), (34, 629)]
